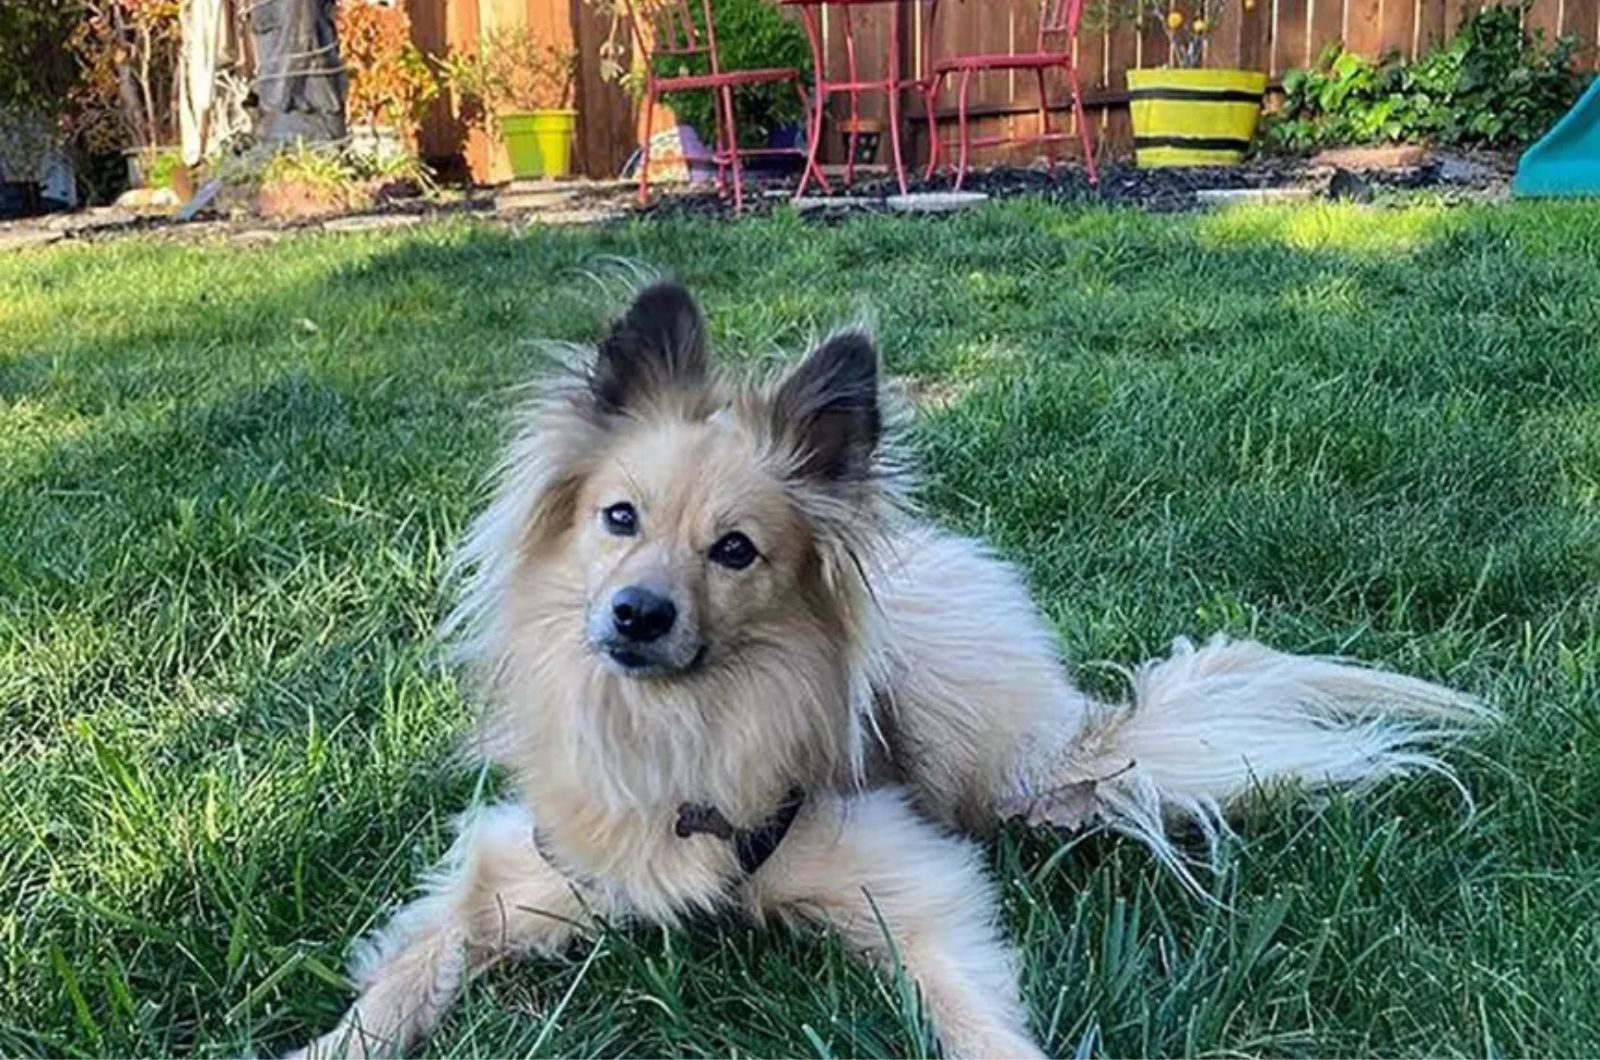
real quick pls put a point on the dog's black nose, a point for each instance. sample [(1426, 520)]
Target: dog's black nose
[(642, 615)]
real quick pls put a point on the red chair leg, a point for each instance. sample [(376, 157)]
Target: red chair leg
[(644, 153), (931, 111), (1083, 124), (855, 96), (894, 108), (811, 170), (850, 140), (733, 149), (719, 152), (961, 125), (1044, 122), (814, 143)]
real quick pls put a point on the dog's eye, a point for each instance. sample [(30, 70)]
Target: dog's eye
[(733, 551), (621, 520)]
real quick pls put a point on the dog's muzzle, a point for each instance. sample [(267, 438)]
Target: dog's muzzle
[(639, 635)]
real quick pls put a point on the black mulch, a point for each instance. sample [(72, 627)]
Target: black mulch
[(1122, 185)]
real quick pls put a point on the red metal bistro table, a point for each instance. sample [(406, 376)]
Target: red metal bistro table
[(891, 83)]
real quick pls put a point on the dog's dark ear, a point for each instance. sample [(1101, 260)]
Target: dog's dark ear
[(659, 343), (827, 410)]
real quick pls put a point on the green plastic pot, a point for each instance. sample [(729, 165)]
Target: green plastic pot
[(539, 142)]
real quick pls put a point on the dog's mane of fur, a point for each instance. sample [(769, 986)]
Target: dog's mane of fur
[(654, 741)]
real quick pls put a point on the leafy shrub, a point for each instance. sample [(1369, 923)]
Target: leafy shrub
[(751, 34), (511, 70), (390, 81), (36, 71), (340, 172), (1492, 85), (126, 95)]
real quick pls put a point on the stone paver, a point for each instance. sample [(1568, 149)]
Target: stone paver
[(17, 238), (371, 222), (936, 201), (1242, 196), (1399, 156)]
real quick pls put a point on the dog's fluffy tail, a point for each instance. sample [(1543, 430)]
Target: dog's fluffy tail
[(1209, 725)]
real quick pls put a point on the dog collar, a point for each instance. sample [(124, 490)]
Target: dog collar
[(752, 846)]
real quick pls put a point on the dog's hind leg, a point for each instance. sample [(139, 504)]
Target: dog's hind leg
[(495, 897), (898, 889)]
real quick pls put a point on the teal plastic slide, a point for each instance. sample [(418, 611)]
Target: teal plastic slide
[(1566, 162)]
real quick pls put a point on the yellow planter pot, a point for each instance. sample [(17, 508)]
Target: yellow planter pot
[(1193, 117)]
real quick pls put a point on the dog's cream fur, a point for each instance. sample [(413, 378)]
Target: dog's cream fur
[(897, 674)]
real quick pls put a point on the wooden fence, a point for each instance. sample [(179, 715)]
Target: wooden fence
[(1273, 35)]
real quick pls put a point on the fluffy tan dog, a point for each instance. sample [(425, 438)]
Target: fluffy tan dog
[(726, 669)]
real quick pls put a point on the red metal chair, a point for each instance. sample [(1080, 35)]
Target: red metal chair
[(1058, 32), (663, 28)]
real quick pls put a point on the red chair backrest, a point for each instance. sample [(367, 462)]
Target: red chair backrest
[(667, 27), (1058, 17)]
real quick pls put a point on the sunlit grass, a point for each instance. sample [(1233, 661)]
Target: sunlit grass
[(230, 477)]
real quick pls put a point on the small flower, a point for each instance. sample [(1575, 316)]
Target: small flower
[(1175, 20), (1200, 25)]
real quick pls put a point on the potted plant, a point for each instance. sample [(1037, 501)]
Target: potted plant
[(1184, 114), (389, 80), (127, 52), (521, 87)]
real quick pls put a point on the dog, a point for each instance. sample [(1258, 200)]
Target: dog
[(725, 666)]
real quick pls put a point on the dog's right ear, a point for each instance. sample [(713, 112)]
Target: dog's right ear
[(658, 344)]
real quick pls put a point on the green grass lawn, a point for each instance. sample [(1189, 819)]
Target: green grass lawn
[(230, 478)]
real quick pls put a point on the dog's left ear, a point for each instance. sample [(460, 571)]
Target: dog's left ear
[(659, 343), (827, 412)]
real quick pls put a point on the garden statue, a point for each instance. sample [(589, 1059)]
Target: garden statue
[(300, 82)]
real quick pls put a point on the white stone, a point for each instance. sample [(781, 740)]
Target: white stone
[(579, 216), (149, 199), (534, 199), (936, 201), (833, 202), (1456, 170), (1251, 196)]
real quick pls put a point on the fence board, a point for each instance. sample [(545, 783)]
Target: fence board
[(1582, 19), (1255, 36), (1291, 23), (430, 32), (608, 120), (1458, 11), (1396, 21), (1430, 25), (1544, 19), (1122, 53), (1154, 48), (1363, 26)]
